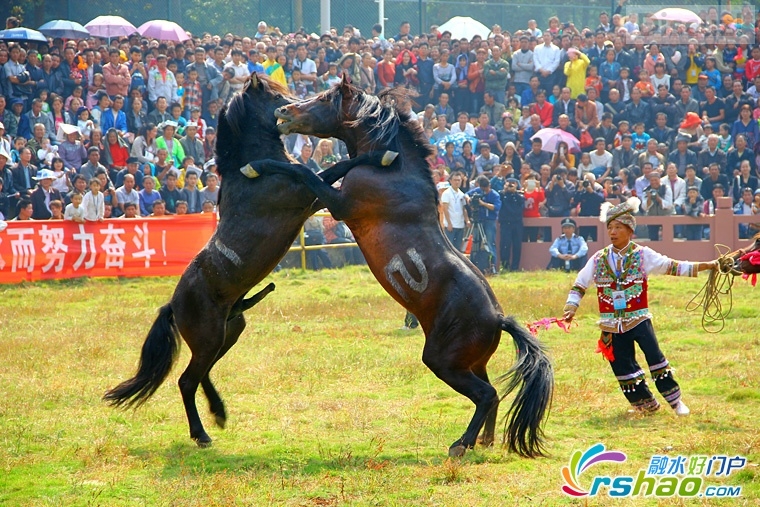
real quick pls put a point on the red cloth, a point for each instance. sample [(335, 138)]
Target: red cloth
[(752, 69), (119, 155), (532, 201), (545, 113), (386, 73)]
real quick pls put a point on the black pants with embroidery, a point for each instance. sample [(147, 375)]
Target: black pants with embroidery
[(632, 378)]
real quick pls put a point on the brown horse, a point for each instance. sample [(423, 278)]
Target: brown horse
[(392, 212), (744, 256), (258, 222)]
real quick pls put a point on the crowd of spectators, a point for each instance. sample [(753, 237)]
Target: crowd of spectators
[(666, 113)]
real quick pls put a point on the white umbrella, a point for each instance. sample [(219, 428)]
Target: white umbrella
[(677, 14), (464, 26), (110, 26)]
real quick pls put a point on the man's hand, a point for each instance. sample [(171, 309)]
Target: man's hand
[(569, 315)]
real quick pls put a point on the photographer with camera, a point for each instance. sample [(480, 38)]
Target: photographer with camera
[(657, 201), (590, 200), (558, 195), (511, 224), (485, 205)]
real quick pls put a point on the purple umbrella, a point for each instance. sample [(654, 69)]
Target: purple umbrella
[(110, 26), (162, 29), (550, 138)]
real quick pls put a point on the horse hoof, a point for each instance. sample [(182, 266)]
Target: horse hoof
[(486, 442), (457, 451), (203, 441), (220, 420), (249, 172), (389, 157)]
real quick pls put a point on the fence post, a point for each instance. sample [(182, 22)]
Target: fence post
[(722, 230), (302, 240)]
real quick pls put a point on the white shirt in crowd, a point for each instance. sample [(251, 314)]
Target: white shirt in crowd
[(456, 202), (94, 206)]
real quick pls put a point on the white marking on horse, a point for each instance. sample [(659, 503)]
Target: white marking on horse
[(396, 265), (229, 253)]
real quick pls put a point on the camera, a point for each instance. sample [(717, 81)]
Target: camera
[(476, 199), (557, 178), (616, 188), (652, 192), (586, 183)]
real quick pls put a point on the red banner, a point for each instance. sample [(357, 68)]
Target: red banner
[(49, 249)]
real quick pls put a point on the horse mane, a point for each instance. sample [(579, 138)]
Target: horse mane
[(235, 113), (383, 119), (235, 118)]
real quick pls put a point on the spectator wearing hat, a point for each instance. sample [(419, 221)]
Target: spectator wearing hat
[(568, 252), (682, 155), (43, 195), (192, 146), (133, 168)]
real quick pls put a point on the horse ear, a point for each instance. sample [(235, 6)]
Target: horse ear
[(345, 85), (255, 83)]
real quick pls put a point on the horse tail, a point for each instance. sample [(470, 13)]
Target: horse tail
[(534, 375), (156, 360)]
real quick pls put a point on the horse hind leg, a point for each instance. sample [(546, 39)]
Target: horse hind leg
[(489, 428), (235, 327), (466, 383), (205, 339)]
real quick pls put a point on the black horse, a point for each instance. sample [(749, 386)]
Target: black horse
[(259, 220), (393, 213)]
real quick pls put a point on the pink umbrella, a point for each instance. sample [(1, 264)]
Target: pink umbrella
[(550, 138), (677, 14), (110, 26), (162, 29)]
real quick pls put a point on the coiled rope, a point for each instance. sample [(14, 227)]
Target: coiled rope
[(717, 286)]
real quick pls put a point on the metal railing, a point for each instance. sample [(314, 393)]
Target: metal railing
[(302, 247)]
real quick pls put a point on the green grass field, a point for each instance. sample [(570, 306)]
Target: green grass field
[(329, 403)]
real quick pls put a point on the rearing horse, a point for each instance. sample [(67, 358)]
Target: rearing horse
[(259, 220), (392, 212)]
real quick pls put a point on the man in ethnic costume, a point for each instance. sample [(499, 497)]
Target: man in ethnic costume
[(620, 272)]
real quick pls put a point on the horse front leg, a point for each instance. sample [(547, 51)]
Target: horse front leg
[(332, 198)]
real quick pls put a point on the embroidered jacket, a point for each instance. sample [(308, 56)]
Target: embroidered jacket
[(638, 263)]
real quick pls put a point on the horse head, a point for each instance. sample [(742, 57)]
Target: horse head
[(247, 124), (747, 260)]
